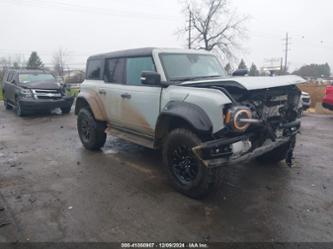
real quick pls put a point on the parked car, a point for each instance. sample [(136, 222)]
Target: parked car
[(29, 91), (306, 100), (182, 102), (328, 99)]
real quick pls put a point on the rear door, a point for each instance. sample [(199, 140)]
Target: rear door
[(96, 81), (111, 90)]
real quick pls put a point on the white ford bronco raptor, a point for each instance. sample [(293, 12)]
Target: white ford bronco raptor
[(183, 103)]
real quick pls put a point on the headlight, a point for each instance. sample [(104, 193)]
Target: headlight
[(26, 92), (234, 117)]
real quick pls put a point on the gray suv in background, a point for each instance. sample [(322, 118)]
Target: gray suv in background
[(30, 91)]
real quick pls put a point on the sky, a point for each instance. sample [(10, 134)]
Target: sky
[(85, 27)]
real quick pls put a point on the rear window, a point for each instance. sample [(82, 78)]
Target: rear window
[(94, 69), (114, 71)]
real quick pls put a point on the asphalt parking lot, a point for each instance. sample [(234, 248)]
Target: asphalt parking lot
[(51, 189)]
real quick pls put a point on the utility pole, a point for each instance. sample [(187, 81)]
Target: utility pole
[(190, 30), (287, 40)]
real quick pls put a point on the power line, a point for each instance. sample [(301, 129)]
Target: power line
[(90, 9)]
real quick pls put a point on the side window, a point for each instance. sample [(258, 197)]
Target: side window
[(94, 69), (115, 71), (135, 66)]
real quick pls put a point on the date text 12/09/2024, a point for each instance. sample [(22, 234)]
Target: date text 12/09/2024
[(164, 245)]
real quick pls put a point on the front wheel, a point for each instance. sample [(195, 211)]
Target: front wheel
[(186, 172), (66, 110), (91, 132), (19, 111)]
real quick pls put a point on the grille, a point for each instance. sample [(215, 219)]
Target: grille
[(47, 94)]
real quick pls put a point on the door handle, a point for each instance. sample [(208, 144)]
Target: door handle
[(126, 96), (102, 91)]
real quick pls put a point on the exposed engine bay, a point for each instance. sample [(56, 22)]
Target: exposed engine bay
[(254, 118), (270, 108), (272, 103)]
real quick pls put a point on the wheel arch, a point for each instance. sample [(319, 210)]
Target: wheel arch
[(93, 102), (182, 115)]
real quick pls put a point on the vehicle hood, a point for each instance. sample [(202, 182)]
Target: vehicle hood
[(250, 83), (44, 85)]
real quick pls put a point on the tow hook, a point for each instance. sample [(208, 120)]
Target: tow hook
[(290, 154)]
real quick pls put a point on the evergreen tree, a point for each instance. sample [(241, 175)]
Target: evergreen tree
[(34, 61), (314, 71), (253, 70), (242, 65)]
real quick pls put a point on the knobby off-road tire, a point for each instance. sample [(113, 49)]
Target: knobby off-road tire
[(275, 156), (186, 173), (91, 132)]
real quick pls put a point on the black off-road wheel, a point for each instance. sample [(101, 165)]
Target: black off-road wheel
[(186, 172), (66, 110), (91, 132), (275, 156)]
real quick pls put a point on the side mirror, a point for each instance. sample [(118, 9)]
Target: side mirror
[(150, 78), (240, 72)]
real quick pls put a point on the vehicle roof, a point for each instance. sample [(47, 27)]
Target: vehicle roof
[(124, 53), (148, 51)]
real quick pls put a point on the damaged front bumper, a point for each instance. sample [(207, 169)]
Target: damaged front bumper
[(228, 151)]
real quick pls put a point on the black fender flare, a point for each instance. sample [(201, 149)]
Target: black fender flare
[(190, 113)]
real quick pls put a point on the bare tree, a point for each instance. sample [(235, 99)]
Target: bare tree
[(214, 26), (59, 61)]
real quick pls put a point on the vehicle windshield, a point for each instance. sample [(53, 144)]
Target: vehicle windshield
[(26, 78), (180, 67)]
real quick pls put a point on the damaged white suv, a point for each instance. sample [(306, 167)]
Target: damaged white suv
[(182, 102)]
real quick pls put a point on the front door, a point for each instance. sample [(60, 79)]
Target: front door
[(141, 103)]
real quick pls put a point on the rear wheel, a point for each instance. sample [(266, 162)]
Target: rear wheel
[(91, 132), (186, 172)]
